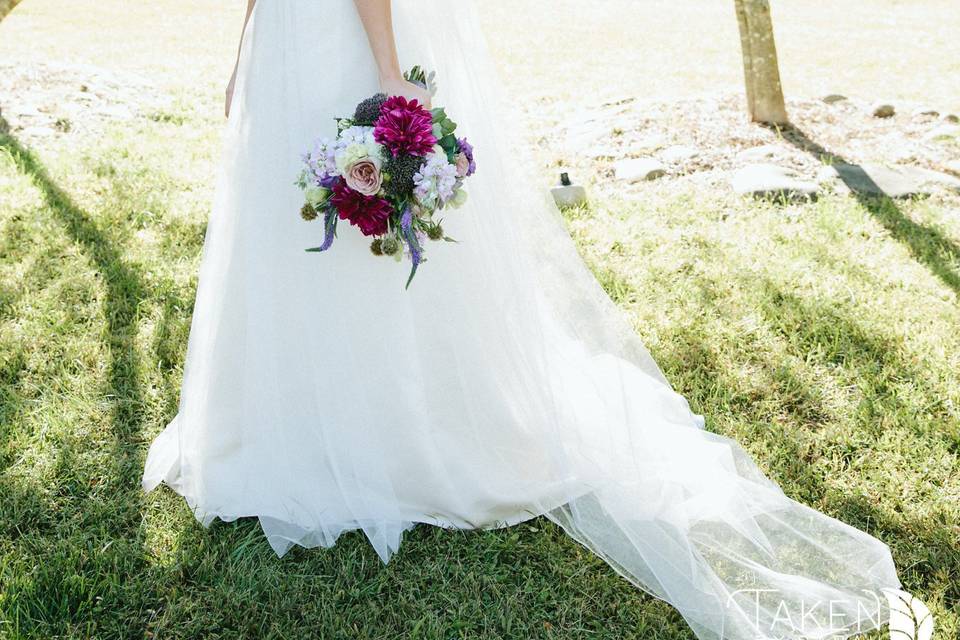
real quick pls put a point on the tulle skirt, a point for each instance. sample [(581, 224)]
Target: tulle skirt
[(320, 396)]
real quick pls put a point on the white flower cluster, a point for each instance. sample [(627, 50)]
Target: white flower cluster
[(436, 182), (322, 160), (356, 143)]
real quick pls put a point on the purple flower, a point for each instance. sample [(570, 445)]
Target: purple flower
[(405, 127), (412, 239), (466, 165), (321, 161)]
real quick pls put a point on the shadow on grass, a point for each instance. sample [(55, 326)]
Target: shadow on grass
[(928, 246), (91, 545), (782, 414), (125, 291), (881, 372)]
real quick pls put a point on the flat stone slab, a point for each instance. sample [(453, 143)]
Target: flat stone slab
[(926, 112), (943, 132), (833, 98), (894, 181), (678, 153), (586, 133), (761, 153), (772, 181), (602, 151), (639, 169)]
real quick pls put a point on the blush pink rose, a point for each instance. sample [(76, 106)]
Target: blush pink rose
[(364, 177)]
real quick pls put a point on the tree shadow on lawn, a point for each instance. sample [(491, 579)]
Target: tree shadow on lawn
[(87, 553), (875, 360), (929, 246), (125, 290), (922, 545)]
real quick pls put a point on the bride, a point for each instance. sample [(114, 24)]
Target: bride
[(321, 397)]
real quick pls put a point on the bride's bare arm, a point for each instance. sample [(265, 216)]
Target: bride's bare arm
[(377, 18), (233, 77)]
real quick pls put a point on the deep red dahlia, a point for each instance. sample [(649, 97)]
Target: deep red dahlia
[(405, 127), (369, 213)]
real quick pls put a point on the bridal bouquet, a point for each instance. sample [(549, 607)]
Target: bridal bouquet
[(389, 171)]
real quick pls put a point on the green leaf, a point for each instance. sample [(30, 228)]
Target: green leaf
[(448, 142), (413, 272)]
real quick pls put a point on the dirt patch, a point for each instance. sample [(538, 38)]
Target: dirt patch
[(40, 101), (706, 138)]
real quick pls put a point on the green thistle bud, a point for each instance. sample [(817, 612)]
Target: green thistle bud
[(389, 246), (368, 111), (401, 171), (435, 232), (308, 213), (376, 247)]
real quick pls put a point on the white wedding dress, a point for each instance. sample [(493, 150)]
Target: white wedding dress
[(321, 397)]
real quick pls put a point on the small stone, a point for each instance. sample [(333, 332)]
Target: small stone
[(678, 153), (833, 98), (639, 169), (950, 118), (883, 110), (771, 181), (893, 181), (925, 112), (572, 195)]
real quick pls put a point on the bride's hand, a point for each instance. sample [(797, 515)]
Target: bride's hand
[(410, 91), (228, 94)]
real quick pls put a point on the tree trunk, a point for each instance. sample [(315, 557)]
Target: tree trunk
[(760, 66), (6, 6)]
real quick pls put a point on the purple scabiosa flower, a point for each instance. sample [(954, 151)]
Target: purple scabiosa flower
[(466, 164)]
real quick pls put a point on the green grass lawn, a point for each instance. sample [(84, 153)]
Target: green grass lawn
[(825, 337)]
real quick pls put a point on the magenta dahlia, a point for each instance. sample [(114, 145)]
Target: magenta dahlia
[(369, 213), (405, 127)]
